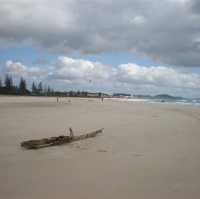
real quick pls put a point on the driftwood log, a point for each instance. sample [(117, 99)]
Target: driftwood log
[(60, 140)]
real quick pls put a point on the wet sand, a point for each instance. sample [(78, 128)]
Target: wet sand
[(146, 150)]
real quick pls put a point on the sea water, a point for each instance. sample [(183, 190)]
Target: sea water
[(194, 102)]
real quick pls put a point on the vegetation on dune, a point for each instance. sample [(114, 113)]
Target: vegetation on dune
[(7, 87)]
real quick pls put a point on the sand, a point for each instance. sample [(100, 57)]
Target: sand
[(146, 150)]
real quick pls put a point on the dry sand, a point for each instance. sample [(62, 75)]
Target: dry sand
[(146, 151)]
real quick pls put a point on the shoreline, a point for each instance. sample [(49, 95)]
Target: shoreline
[(188, 102)]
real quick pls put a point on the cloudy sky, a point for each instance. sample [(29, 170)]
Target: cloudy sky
[(135, 46)]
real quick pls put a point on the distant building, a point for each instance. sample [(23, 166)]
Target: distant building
[(121, 95), (92, 94), (85, 94)]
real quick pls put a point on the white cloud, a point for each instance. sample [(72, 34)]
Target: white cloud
[(18, 69), (15, 67), (80, 70), (137, 20), (158, 76), (72, 73)]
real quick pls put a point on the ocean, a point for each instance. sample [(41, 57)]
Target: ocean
[(194, 102)]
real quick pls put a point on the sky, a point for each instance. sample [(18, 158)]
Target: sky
[(131, 46)]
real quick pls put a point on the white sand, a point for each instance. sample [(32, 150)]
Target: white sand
[(146, 151)]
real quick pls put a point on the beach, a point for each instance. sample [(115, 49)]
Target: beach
[(147, 150)]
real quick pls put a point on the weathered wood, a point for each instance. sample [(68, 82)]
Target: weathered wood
[(60, 140)]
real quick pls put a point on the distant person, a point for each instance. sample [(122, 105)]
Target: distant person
[(71, 135)]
